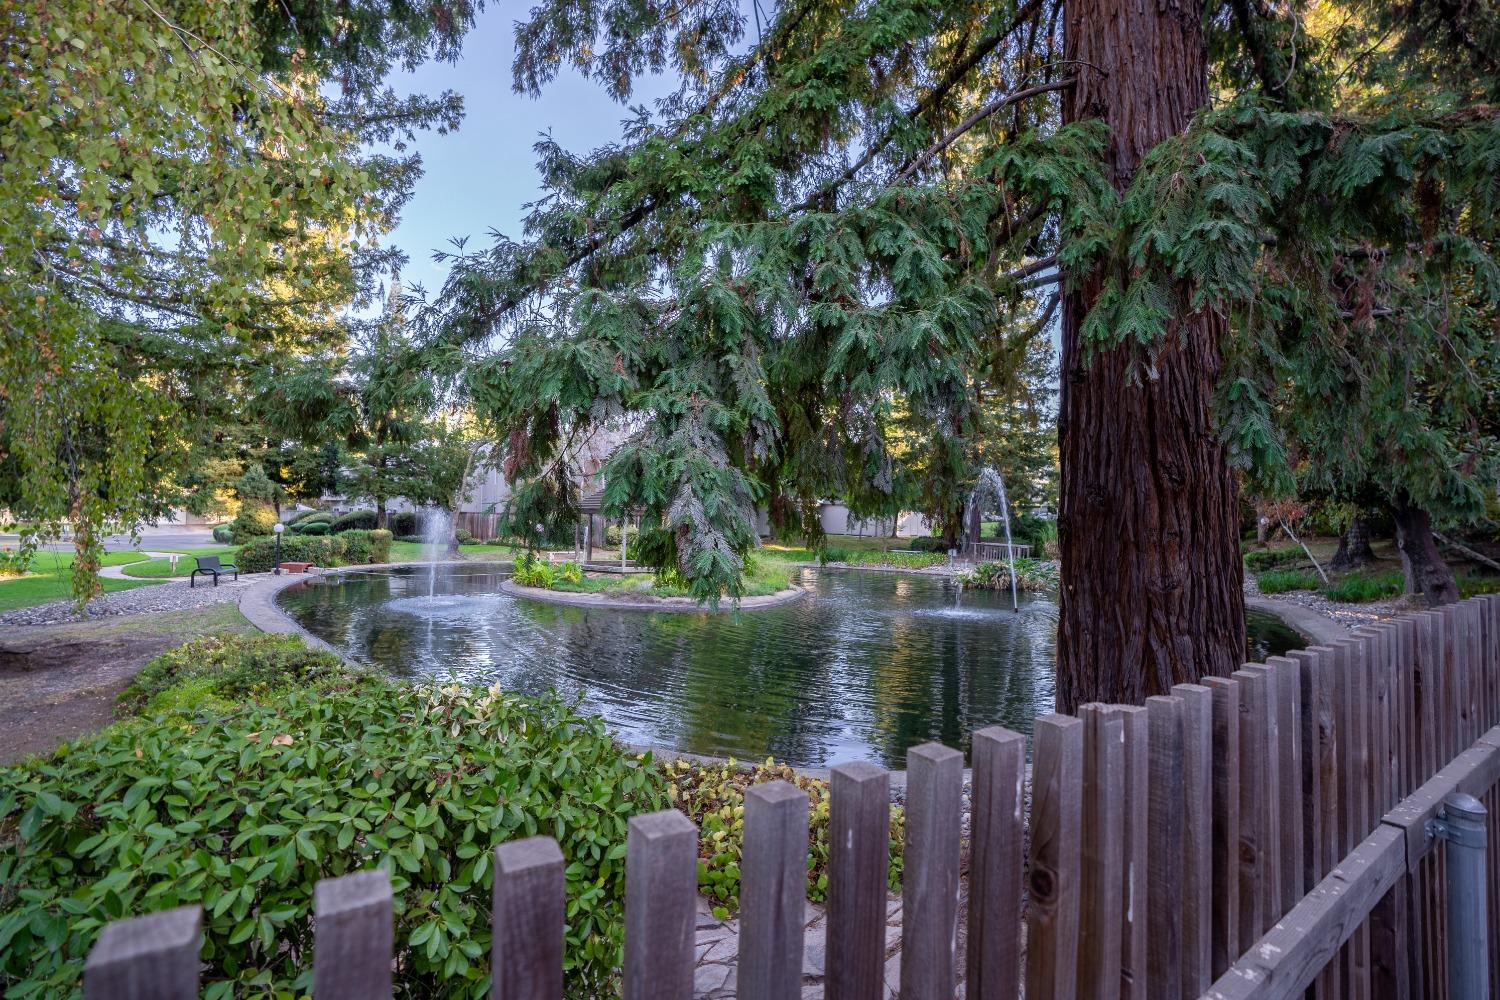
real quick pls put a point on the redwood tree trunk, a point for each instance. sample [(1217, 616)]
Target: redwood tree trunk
[(1354, 547), (1426, 572), (1149, 521)]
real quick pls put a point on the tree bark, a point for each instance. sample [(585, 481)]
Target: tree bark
[(1426, 572), (1148, 522), (1354, 547)]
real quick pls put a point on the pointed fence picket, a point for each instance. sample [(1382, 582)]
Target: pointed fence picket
[(1263, 836)]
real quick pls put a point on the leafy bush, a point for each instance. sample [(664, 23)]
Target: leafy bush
[(569, 572), (1358, 588), (259, 556), (224, 534), (832, 554), (14, 563), (242, 812), (1031, 575), (930, 543), (612, 535), (416, 539), (310, 514), (1469, 586), (464, 536), (713, 796), (255, 520), (529, 571), (1273, 558), (1030, 530), (231, 668), (314, 528), (310, 525), (404, 523), (1279, 581), (354, 519), (361, 546)]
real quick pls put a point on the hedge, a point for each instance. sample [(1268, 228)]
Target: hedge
[(314, 528), (405, 523), (259, 556), (362, 546), (354, 519), (243, 810)]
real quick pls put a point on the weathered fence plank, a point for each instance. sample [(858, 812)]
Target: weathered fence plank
[(1197, 836), (1056, 819), (1250, 856), (154, 957), (352, 937), (1137, 847), (1226, 833), (993, 958), (527, 916), (929, 885), (1103, 853), (661, 894), (773, 892), (859, 845), (1164, 886)]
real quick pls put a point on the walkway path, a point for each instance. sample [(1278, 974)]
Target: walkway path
[(118, 572)]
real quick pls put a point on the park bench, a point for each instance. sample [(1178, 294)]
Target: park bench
[(210, 566)]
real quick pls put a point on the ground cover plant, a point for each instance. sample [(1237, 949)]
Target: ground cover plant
[(893, 560), (713, 796), (763, 577), (1280, 581), (239, 791), (1032, 575)]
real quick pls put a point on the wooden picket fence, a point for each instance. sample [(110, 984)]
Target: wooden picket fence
[(1254, 837)]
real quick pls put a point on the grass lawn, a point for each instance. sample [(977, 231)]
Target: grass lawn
[(50, 580), (161, 569)]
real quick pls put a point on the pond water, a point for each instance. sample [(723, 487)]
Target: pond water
[(863, 667)]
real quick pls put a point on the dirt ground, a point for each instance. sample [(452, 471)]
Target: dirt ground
[(60, 682)]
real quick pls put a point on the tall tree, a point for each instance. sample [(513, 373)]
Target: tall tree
[(1148, 523)]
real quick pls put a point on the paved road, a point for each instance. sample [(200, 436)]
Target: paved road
[(152, 539)]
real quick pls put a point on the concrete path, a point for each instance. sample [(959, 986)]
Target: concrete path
[(118, 572)]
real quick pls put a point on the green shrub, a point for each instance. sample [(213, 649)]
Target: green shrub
[(15, 563), (255, 520), (612, 535), (259, 556), (415, 539), (364, 519), (1359, 588), (318, 523), (380, 545), (224, 534), (1279, 581), (569, 572), (233, 668), (930, 543), (314, 528), (529, 571), (310, 514), (832, 554), (713, 796), (464, 536), (244, 811), (1274, 558), (404, 523), (1031, 575), (1469, 586)]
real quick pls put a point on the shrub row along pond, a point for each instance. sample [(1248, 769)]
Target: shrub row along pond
[(257, 766)]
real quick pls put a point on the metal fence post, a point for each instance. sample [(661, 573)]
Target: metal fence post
[(1462, 825)]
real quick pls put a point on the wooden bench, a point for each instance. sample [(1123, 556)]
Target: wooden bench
[(296, 567), (210, 566)]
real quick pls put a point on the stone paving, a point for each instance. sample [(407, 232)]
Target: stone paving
[(718, 943)]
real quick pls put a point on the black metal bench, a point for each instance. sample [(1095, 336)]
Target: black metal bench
[(210, 566)]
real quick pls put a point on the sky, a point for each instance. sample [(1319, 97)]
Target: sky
[(481, 177)]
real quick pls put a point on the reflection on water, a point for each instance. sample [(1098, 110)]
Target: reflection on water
[(865, 666)]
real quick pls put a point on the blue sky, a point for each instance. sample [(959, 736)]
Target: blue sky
[(481, 177)]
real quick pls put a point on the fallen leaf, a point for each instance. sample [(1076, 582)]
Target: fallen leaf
[(255, 736), (281, 740)]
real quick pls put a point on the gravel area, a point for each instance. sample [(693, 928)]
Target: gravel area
[(173, 596), (1347, 615)]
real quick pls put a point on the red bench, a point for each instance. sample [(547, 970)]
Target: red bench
[(292, 567)]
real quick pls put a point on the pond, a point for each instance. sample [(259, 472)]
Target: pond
[(862, 668)]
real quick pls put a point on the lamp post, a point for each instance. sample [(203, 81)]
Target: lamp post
[(278, 528)]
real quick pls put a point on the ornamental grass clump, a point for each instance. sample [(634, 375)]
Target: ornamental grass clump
[(243, 811), (713, 796)]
